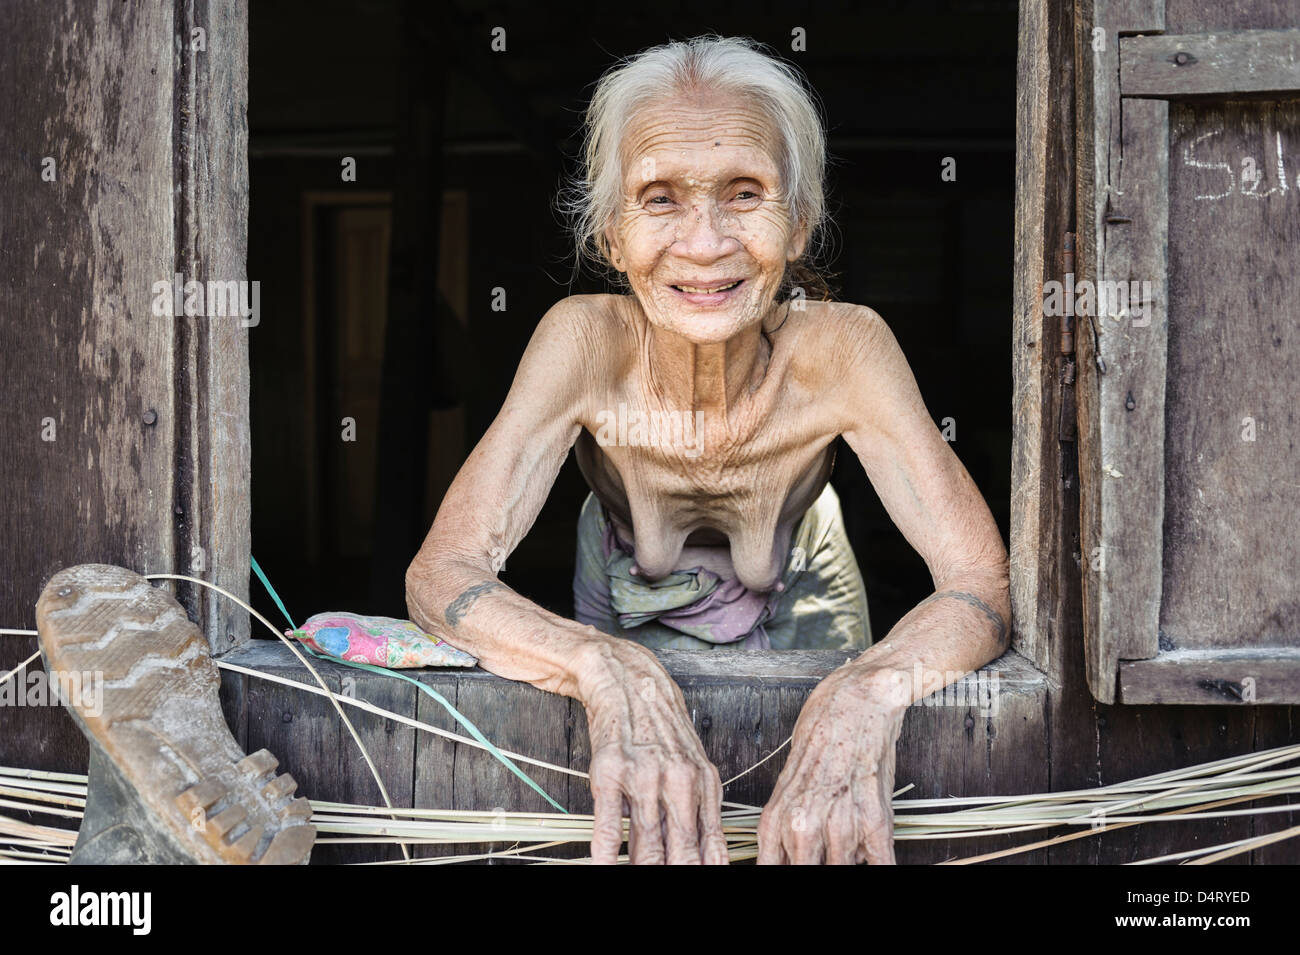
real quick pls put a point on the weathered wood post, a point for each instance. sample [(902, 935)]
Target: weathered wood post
[(125, 432)]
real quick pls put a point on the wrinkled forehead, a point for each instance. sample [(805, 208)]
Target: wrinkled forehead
[(700, 138)]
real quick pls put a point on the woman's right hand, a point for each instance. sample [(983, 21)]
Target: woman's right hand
[(648, 762)]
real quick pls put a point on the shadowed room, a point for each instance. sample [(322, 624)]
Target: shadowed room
[(401, 300)]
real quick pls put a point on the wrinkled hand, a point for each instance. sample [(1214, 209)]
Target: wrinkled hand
[(647, 762), (833, 802)]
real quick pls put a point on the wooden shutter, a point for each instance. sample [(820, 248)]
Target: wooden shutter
[(1189, 180)]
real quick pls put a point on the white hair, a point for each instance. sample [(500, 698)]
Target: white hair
[(735, 65)]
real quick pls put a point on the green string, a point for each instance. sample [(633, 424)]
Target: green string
[(427, 690), (257, 569)]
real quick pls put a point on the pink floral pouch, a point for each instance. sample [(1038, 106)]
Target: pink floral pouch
[(380, 641)]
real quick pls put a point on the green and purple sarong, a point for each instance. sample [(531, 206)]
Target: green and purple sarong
[(823, 605)]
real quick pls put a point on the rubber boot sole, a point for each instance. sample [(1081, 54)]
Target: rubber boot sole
[(167, 781)]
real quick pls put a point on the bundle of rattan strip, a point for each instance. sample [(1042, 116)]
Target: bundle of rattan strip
[(1207, 791)]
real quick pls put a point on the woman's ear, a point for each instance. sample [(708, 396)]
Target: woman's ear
[(798, 242), (615, 253)]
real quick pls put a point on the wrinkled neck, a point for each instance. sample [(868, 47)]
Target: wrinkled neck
[(713, 378)]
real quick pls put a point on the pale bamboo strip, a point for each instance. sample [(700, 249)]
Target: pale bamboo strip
[(68, 790), (1242, 777), (759, 763), (1190, 853), (972, 827), (1071, 836), (12, 859), (43, 774), (1255, 843), (1229, 775), (49, 810), (1101, 793), (55, 835), (1131, 785), (38, 796), (10, 675), (446, 860)]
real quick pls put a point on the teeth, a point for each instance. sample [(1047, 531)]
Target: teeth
[(706, 291)]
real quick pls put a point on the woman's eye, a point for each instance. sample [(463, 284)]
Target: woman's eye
[(746, 195), (660, 199)]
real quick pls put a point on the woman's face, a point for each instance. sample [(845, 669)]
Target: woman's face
[(704, 231)]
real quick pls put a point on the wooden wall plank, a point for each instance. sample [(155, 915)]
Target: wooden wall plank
[(214, 506), (234, 705), (1131, 336), (391, 745), (780, 711), (1033, 345), (1205, 64), (579, 758), (148, 412), (1120, 595), (1081, 730), (516, 717), (1232, 509), (729, 722), (1263, 675), (84, 475), (985, 735), (305, 735), (1046, 558), (1208, 16), (435, 756)]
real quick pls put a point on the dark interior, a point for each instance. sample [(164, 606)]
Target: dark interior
[(378, 294)]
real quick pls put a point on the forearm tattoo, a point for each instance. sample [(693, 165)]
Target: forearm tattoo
[(457, 609), (994, 617)]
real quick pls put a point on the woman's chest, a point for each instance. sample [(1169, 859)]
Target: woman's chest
[(731, 510)]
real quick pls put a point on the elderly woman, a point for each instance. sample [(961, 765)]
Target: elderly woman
[(703, 404)]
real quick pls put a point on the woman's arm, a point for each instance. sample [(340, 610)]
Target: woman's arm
[(452, 587), (833, 801), (645, 756), (934, 503)]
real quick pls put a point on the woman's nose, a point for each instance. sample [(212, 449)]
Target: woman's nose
[(703, 236)]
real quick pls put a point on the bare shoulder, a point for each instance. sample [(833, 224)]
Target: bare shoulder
[(568, 359), (867, 381), (578, 334), (579, 316), (847, 339)]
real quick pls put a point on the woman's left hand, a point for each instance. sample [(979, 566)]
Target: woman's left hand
[(833, 802)]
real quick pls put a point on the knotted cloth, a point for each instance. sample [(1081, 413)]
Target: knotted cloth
[(823, 605)]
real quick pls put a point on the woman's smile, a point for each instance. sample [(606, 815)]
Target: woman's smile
[(708, 294)]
